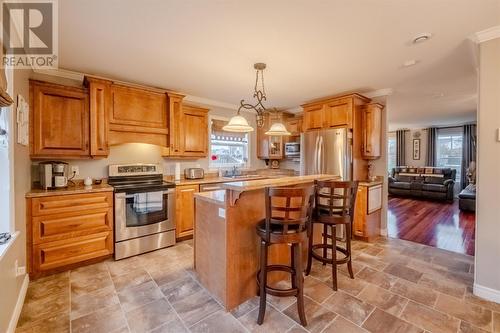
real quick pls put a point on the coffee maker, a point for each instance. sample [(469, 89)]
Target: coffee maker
[(53, 174)]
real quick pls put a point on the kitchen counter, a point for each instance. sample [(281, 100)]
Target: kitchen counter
[(78, 189), (208, 180), (250, 185), (227, 246)]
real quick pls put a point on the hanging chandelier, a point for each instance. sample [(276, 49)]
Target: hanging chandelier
[(240, 124)]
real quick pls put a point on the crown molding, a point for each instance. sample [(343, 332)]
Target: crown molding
[(486, 35), (78, 76), (211, 102), (62, 73), (379, 93)]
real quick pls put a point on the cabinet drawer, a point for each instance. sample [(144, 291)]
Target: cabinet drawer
[(65, 252), (53, 227), (70, 203)]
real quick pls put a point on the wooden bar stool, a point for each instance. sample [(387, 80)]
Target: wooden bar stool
[(288, 213), (334, 205)]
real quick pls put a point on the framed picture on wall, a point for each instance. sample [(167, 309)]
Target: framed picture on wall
[(416, 149)]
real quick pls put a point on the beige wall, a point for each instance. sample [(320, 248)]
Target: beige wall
[(487, 269), (409, 147), (10, 284)]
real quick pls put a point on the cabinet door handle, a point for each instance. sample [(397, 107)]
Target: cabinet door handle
[(188, 190)]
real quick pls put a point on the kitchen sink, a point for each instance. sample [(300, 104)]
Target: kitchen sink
[(245, 177)]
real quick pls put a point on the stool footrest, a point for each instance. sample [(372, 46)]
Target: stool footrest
[(329, 260)]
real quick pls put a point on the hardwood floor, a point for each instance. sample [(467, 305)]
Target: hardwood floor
[(439, 224)]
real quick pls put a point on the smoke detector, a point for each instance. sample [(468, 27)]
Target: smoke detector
[(409, 63), (420, 38)]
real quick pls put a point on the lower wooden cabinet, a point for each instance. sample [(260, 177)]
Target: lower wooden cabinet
[(184, 210), (367, 213), (68, 229)]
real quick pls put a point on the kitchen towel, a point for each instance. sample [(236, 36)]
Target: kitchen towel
[(148, 202)]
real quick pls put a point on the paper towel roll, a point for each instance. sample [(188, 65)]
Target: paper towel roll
[(177, 171)]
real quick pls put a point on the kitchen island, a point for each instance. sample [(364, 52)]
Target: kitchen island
[(225, 240)]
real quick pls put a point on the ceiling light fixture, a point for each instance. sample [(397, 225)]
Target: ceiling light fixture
[(423, 37), (240, 124), (278, 129)]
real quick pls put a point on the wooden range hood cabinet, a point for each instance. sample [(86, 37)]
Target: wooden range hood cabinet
[(146, 115), (78, 123)]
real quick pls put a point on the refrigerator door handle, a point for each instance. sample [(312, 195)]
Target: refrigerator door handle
[(315, 164), (320, 155)]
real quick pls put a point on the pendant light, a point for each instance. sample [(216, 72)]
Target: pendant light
[(278, 129), (240, 124)]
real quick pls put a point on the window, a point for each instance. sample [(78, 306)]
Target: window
[(449, 149), (227, 149), (391, 151)]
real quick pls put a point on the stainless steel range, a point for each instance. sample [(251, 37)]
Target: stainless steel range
[(144, 209)]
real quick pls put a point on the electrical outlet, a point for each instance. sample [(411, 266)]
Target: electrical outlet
[(75, 170), (19, 270)]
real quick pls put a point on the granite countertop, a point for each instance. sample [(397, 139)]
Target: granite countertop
[(370, 183), (250, 185), (218, 197), (78, 189), (208, 180)]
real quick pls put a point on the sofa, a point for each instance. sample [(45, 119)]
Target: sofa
[(467, 199), (425, 183)]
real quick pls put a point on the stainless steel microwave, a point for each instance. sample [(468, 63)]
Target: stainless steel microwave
[(292, 149)]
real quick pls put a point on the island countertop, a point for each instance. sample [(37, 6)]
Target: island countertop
[(250, 185)]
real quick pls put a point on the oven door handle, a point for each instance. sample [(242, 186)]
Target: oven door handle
[(128, 196)]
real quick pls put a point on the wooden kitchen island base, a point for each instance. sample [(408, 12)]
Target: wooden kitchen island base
[(226, 243)]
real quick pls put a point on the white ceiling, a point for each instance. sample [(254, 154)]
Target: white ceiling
[(312, 49)]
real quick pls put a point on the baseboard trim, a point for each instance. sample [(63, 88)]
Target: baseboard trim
[(19, 305), (489, 294)]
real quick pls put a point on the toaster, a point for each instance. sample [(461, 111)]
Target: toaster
[(194, 173)]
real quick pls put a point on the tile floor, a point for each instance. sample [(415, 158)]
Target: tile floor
[(399, 286)]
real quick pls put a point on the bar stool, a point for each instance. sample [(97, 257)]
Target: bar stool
[(334, 205), (288, 213)]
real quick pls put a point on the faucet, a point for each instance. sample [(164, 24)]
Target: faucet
[(233, 173)]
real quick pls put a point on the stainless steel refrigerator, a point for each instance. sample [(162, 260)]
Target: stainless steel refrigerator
[(327, 151)]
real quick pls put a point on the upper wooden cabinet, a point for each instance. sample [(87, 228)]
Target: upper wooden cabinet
[(372, 130), (138, 115), (195, 123), (83, 122), (188, 130), (313, 117), (59, 121), (332, 112), (100, 103), (294, 125), (338, 113)]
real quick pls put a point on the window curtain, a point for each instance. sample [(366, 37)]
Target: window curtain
[(5, 99), (400, 148), (468, 151), (431, 146)]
